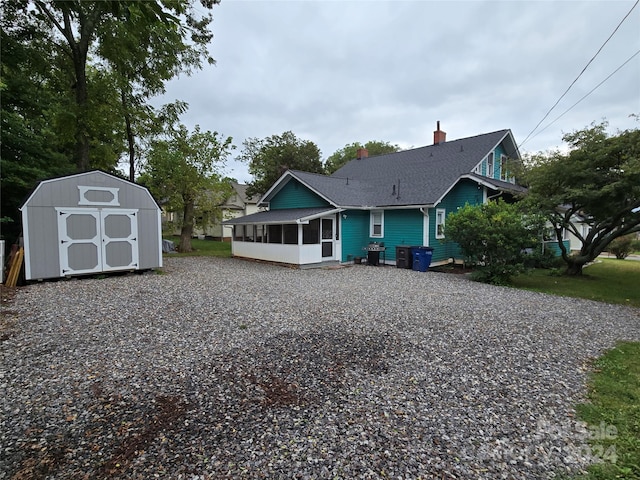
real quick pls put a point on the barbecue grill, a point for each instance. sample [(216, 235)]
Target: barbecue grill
[(374, 249)]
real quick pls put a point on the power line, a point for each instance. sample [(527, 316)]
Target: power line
[(580, 74), (585, 96)]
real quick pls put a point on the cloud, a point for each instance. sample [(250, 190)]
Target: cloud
[(339, 72)]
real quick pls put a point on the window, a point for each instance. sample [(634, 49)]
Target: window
[(376, 228), (490, 165), (260, 233), (503, 167), (440, 217), (311, 232)]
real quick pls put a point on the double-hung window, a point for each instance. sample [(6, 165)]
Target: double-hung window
[(441, 214), (376, 228), (490, 165)]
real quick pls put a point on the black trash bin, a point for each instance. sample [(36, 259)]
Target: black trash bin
[(404, 259), (421, 258)]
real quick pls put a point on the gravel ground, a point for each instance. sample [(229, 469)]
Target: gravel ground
[(222, 368)]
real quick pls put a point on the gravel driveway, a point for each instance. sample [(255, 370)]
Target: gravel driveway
[(223, 368)]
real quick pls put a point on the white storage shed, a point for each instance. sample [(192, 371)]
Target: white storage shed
[(89, 223)]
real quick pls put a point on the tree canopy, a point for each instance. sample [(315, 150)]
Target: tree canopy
[(270, 157), (76, 77), (349, 152), (596, 183), (141, 44), (183, 171)]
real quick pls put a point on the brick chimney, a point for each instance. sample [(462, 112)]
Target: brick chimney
[(362, 153), (439, 136)]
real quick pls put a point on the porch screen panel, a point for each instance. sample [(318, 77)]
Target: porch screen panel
[(311, 232), (290, 234), (274, 233)]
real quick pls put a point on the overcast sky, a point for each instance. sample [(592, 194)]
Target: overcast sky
[(337, 72)]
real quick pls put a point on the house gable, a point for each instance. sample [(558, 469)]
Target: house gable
[(296, 195)]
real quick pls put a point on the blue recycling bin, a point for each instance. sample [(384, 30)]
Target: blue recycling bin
[(421, 258)]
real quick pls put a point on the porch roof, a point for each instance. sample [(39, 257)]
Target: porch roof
[(290, 215)]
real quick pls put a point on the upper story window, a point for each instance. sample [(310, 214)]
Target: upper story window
[(490, 165), (503, 168), (376, 228)]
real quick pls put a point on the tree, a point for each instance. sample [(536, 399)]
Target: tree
[(31, 146), (145, 43), (183, 172), (597, 182), (269, 158), (349, 152), (494, 237)]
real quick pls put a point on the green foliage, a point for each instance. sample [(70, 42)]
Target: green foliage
[(597, 182), (349, 152), (621, 247), (183, 173), (270, 157), (31, 148), (75, 82), (493, 236), (613, 413)]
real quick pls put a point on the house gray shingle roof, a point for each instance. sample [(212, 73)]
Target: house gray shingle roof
[(420, 176), (289, 215)]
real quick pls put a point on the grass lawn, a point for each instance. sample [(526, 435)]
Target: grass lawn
[(203, 248), (609, 280), (613, 414)]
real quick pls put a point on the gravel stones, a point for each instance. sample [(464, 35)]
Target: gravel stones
[(222, 368)]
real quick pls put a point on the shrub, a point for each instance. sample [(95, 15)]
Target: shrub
[(494, 237), (621, 247)]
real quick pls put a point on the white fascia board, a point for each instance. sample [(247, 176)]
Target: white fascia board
[(305, 220)]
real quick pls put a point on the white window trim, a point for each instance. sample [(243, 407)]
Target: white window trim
[(491, 167), (371, 218), (439, 211), (503, 167)]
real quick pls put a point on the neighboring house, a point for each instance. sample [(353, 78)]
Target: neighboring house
[(400, 198), (237, 205)]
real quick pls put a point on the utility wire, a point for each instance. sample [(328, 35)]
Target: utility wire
[(580, 74), (585, 96)]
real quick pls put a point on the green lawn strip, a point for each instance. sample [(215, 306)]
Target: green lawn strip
[(204, 248), (608, 280), (613, 414)]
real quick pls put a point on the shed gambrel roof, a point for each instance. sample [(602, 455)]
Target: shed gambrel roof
[(417, 177)]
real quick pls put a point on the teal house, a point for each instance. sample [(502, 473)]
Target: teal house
[(397, 199)]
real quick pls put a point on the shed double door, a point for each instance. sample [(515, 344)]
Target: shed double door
[(97, 240)]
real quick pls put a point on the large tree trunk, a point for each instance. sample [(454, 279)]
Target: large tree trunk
[(574, 268), (130, 137), (187, 227)]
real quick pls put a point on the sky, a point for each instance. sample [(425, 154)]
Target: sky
[(338, 72)]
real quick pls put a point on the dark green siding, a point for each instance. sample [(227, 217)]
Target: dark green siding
[(355, 234), (296, 195), (464, 192), (401, 227), (555, 248)]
